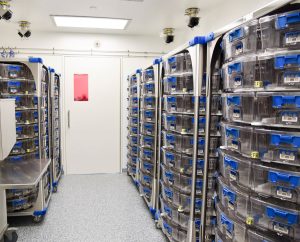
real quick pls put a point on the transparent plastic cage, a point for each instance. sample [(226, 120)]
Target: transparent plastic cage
[(147, 141), (179, 84), (255, 236), (234, 168), (239, 107), (280, 70), (275, 216), (281, 31), (28, 117), (133, 130), (133, 80), (147, 166), (148, 75), (148, 88), (133, 102), (27, 131), (241, 40), (234, 201), (279, 146), (148, 115), (184, 182), (173, 232), (146, 179), (148, 102), (25, 146), (133, 140), (17, 87), (180, 63), (147, 155), (173, 214), (133, 150), (242, 73), (133, 90), (275, 182), (184, 163), (14, 71), (240, 139), (184, 124), (148, 128), (133, 121), (279, 108), (232, 229)]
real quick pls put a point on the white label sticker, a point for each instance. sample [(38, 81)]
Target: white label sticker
[(232, 177), (291, 79), (281, 229), (173, 108), (289, 118), (230, 206), (289, 157), (234, 146), (149, 132), (148, 119), (237, 83), (284, 194), (172, 127), (292, 38), (236, 115)]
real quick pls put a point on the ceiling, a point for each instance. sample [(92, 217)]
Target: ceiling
[(148, 17)]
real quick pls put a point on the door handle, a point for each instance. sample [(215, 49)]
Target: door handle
[(69, 119)]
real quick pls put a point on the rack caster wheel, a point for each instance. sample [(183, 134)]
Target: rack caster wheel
[(54, 189), (157, 225), (38, 219), (10, 235)]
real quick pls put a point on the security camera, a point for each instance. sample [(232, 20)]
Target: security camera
[(168, 34), (24, 31), (5, 12), (193, 18)]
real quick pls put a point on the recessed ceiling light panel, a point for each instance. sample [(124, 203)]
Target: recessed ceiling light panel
[(90, 22)]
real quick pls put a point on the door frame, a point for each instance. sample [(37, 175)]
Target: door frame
[(64, 108)]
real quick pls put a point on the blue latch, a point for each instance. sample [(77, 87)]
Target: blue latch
[(148, 126), (14, 84), (232, 132), (273, 213), (172, 79), (18, 114), (148, 139), (277, 177), (168, 193), (148, 153), (170, 156), (148, 166), (198, 203), (18, 144), (201, 40), (227, 222), (199, 183), (231, 195), (149, 113), (149, 99), (169, 175), (236, 34), (168, 228), (234, 165), (282, 61), (172, 60), (171, 118), (168, 210), (235, 67), (284, 20), (170, 138), (277, 139), (202, 99), (279, 101), (14, 68), (171, 99), (236, 100), (35, 60)]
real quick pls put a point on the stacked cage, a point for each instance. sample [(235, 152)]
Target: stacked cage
[(56, 129), (148, 135), (32, 127), (178, 146), (259, 182), (133, 126)]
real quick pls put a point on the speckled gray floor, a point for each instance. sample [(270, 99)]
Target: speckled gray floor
[(88, 208)]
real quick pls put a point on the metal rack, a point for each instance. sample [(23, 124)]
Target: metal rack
[(27, 82), (57, 168), (149, 102), (133, 126), (260, 131)]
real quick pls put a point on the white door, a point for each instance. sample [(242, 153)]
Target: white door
[(93, 126)]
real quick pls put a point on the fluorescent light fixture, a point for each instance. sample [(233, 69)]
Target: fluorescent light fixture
[(90, 22)]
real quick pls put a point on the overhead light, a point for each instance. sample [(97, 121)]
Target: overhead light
[(90, 22)]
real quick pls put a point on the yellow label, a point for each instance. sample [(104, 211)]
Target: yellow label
[(180, 209), (184, 90), (183, 131), (254, 155), (249, 220), (181, 170), (258, 84)]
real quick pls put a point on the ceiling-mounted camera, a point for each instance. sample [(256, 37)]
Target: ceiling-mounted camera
[(24, 31), (193, 16), (5, 12), (168, 34)]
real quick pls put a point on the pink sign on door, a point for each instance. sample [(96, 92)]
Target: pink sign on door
[(81, 87)]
